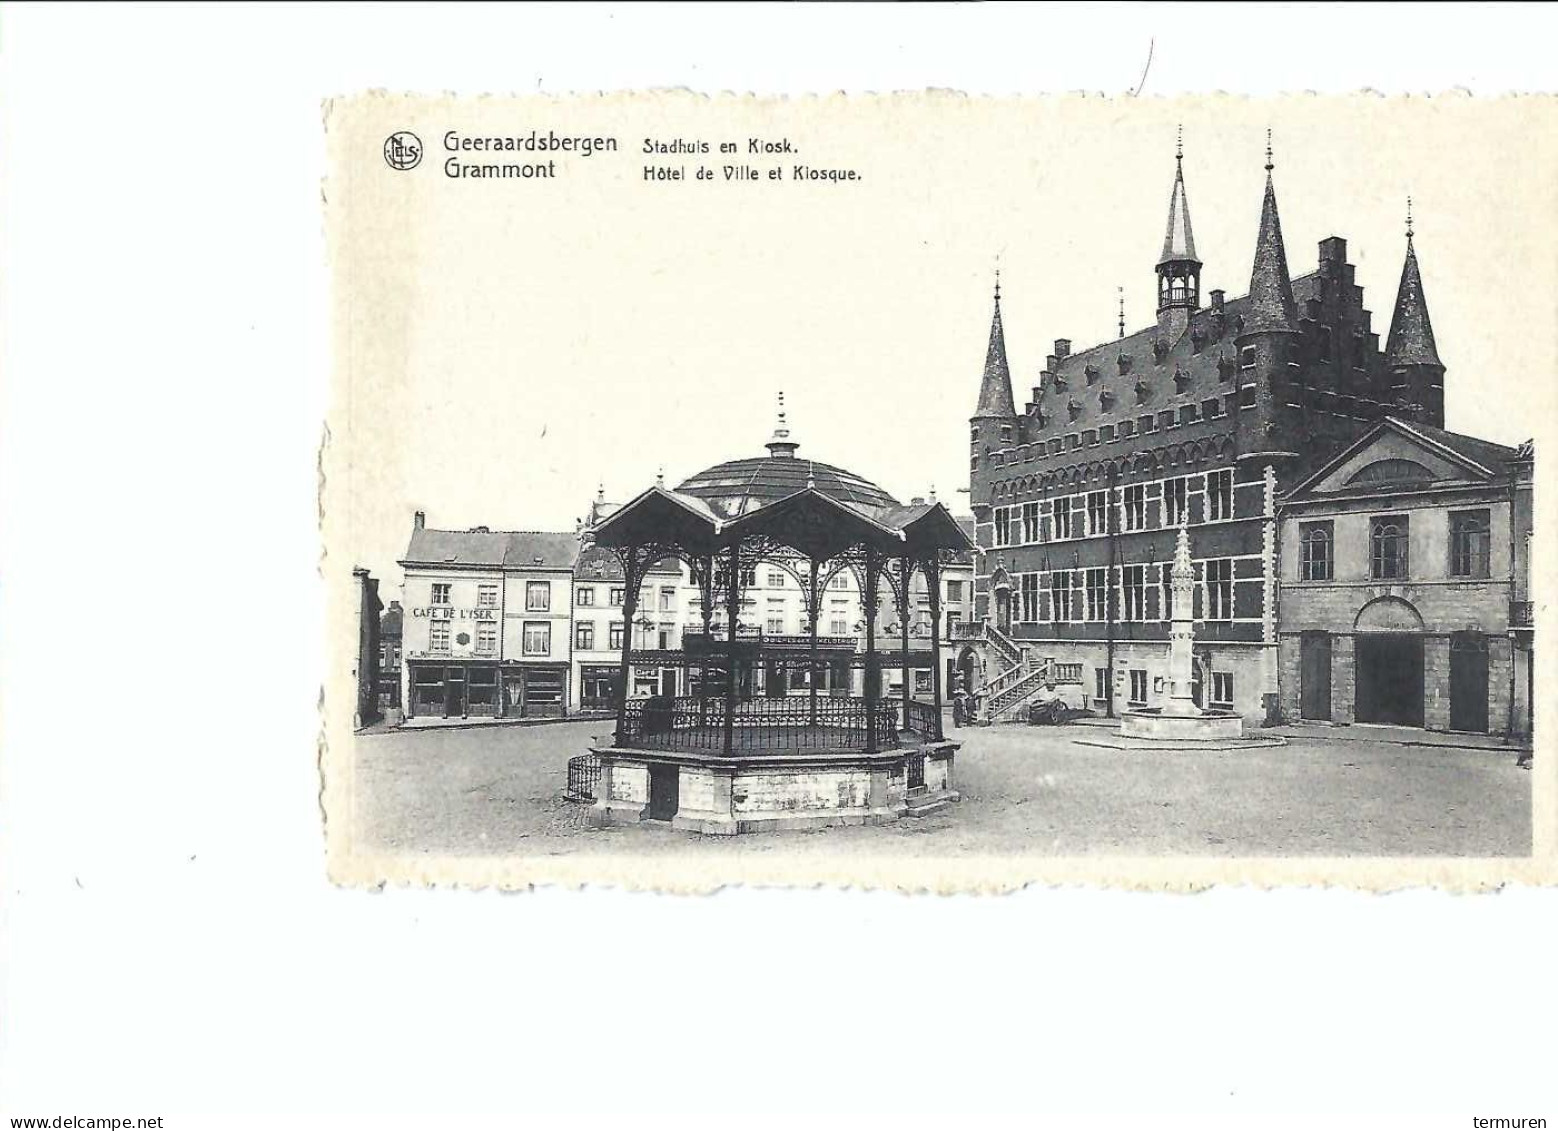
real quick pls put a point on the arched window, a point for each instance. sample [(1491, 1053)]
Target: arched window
[(1316, 559), (1388, 547)]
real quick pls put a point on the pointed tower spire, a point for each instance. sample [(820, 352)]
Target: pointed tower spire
[(1271, 290), (995, 390), (1411, 340), (1179, 271), (1411, 355)]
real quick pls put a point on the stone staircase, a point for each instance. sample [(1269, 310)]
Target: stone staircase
[(1004, 696)]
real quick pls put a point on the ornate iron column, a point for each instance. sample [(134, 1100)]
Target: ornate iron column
[(932, 568), (733, 614), (812, 613), (868, 596), (905, 576), (629, 557), (704, 575)]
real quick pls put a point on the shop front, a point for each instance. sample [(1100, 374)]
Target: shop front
[(535, 691), (453, 689)]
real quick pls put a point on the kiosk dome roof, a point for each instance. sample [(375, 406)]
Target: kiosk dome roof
[(741, 485)]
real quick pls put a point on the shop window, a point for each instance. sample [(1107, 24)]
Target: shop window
[(584, 596), (538, 596), (538, 638), (440, 593), (1388, 547), (1316, 560), (1469, 543), (584, 636)]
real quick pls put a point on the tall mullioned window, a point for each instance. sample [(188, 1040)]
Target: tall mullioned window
[(1060, 595), (1029, 590), (1133, 588), (1219, 494), (584, 636), (486, 638), (1134, 507), (1030, 522), (1097, 594), (1219, 589), (1062, 518), (1175, 508), (438, 636), (1388, 547), (1097, 513), (1470, 542), (1316, 551), (1003, 526)]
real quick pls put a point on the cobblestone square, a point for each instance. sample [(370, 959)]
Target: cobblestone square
[(497, 790)]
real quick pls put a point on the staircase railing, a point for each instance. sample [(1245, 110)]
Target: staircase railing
[(1004, 644), (1019, 692)]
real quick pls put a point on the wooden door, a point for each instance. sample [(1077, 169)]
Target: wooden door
[(664, 792), (1469, 682), (1389, 678), (1315, 676)]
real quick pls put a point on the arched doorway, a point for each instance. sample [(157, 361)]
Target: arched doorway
[(1001, 586), (1388, 663), (968, 670)]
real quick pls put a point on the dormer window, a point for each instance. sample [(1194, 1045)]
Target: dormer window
[(1091, 373), (1160, 349), (1247, 359), (1181, 380), (1197, 339), (1124, 361), (1006, 433), (1074, 408), (1143, 391), (1106, 400)]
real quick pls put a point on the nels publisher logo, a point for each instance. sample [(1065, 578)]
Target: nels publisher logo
[(403, 150)]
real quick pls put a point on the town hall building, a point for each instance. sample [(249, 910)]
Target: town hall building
[(1204, 419)]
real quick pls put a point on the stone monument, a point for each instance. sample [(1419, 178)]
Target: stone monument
[(1180, 718)]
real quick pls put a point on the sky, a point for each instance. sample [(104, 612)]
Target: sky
[(508, 347)]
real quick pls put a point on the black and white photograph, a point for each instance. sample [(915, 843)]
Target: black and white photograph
[(915, 478)]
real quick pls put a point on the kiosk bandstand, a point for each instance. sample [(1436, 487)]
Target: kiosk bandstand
[(730, 759)]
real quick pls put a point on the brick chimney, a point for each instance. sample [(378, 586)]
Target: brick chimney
[(419, 520)]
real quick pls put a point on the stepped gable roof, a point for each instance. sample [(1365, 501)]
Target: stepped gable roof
[(1200, 366), (390, 623), (730, 489), (492, 549)]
